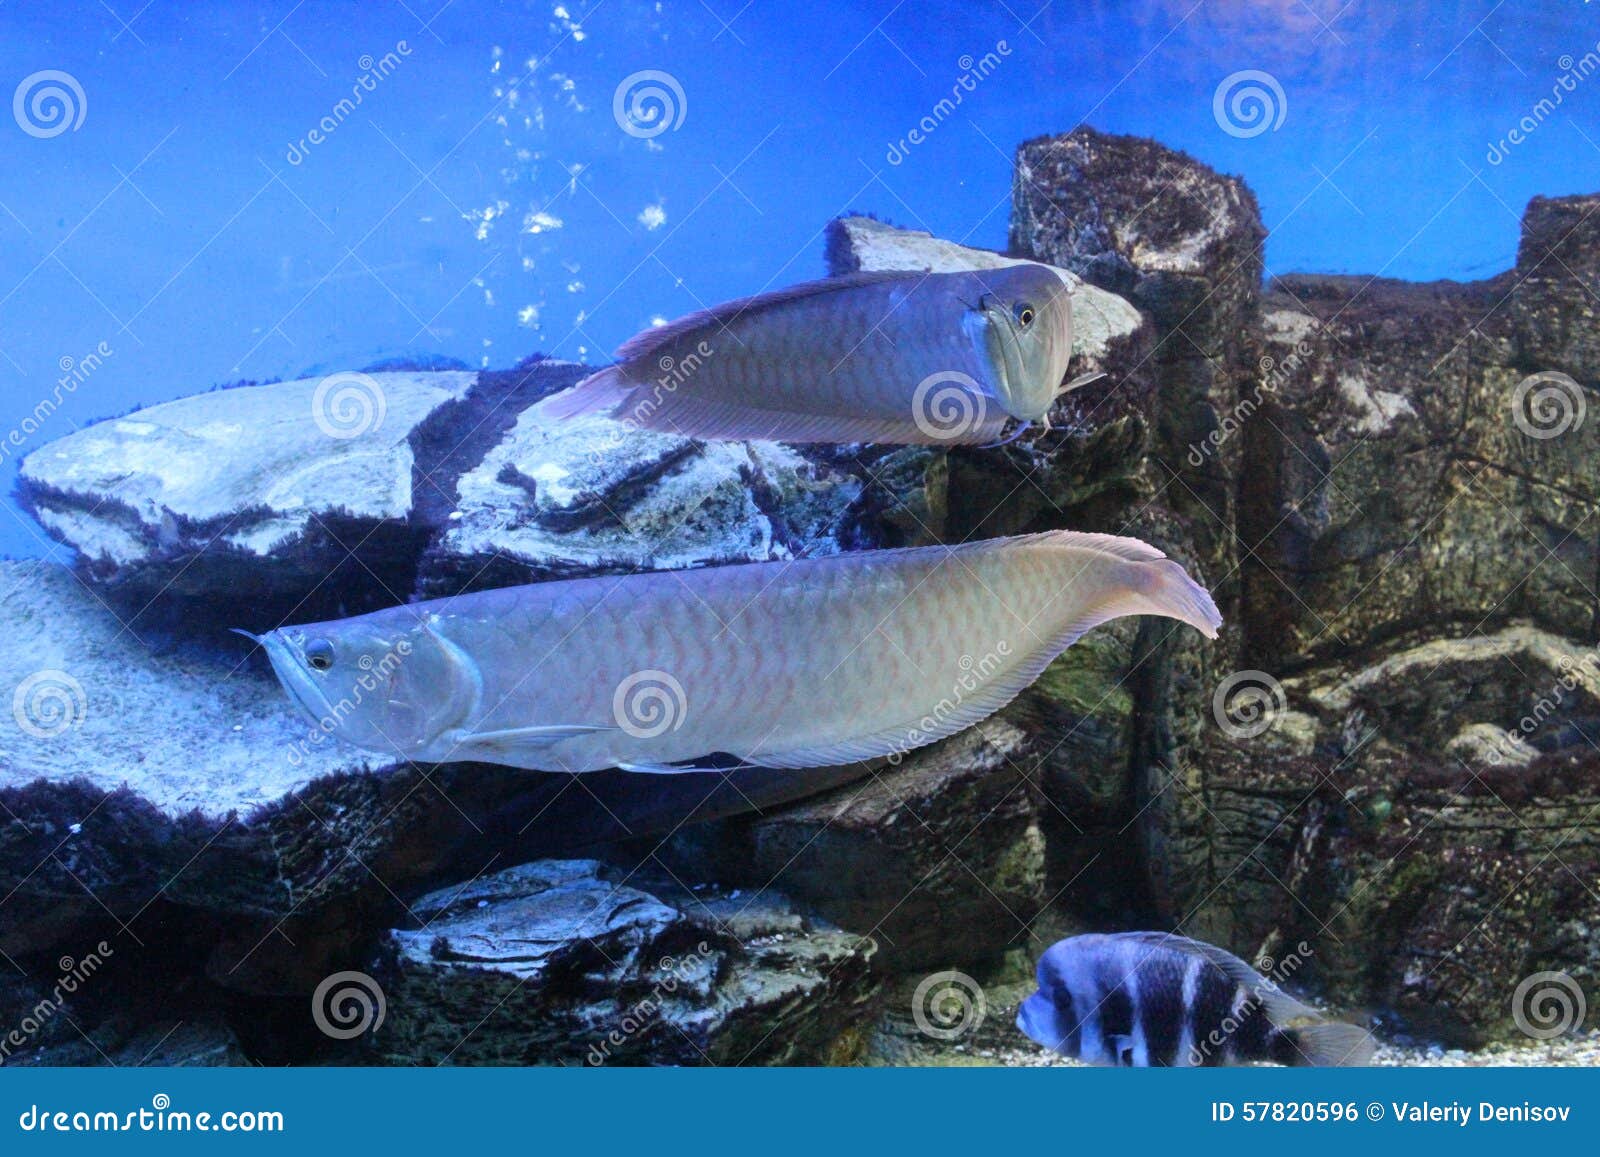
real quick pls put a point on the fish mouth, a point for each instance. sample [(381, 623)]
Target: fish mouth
[(305, 691)]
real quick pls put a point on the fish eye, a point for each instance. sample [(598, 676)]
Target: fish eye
[(319, 654), (1024, 313)]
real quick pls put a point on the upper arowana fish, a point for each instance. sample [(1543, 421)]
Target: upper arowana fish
[(902, 357), (806, 663), (1154, 999)]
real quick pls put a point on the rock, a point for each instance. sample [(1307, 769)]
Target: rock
[(940, 858), (554, 500), (1410, 487), (261, 490), (1183, 243), (562, 962), (1552, 303)]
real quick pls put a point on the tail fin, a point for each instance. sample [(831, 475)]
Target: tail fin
[(1173, 593), (1155, 584), (600, 393), (1334, 1043)]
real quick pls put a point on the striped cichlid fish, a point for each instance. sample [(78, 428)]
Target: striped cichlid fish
[(1142, 999), (934, 358), (806, 663)]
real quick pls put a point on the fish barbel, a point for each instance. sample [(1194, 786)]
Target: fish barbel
[(930, 358), (808, 663)]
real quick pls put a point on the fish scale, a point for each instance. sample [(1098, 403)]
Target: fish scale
[(783, 664)]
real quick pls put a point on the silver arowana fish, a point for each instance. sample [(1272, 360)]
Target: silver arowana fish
[(780, 664), (1141, 999), (929, 358)]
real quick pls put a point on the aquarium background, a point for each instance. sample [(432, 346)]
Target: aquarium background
[(482, 203)]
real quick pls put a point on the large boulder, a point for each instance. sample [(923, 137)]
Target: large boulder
[(565, 962)]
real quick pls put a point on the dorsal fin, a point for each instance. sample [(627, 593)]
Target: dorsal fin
[(651, 341)]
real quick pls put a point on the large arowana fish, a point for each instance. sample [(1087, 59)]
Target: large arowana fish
[(779, 664), (933, 358)]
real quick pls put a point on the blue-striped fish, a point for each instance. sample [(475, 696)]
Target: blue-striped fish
[(870, 357), (1142, 999)]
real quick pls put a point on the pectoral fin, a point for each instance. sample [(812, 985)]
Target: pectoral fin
[(514, 745)]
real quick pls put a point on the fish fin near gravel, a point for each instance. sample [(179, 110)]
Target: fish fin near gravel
[(1335, 1044), (653, 340), (518, 743)]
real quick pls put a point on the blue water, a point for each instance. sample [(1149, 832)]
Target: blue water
[(191, 226)]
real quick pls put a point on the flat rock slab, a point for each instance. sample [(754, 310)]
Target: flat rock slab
[(567, 962)]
